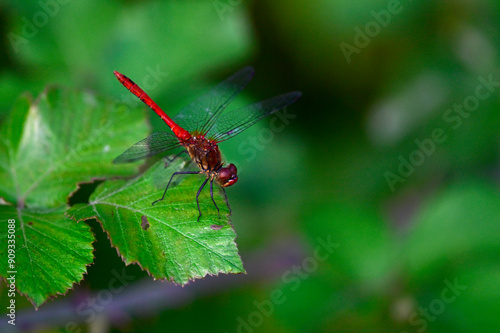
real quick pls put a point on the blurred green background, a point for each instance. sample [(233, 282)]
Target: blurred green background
[(370, 205)]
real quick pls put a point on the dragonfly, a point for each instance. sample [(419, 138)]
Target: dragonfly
[(201, 126)]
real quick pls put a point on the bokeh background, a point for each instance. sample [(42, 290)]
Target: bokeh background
[(370, 205)]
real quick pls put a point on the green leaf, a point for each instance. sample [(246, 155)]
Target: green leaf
[(166, 239), (47, 148), (51, 251), (63, 138)]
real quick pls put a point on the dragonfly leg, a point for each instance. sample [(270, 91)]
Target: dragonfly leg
[(197, 195), (170, 160), (174, 174), (225, 197), (212, 196)]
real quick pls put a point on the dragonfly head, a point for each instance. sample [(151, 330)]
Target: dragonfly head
[(228, 175)]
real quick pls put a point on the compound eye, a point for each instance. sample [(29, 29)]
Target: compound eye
[(224, 174), (233, 169), (228, 175)]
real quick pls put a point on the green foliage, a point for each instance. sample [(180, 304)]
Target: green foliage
[(59, 140), (65, 138), (463, 220), (50, 145), (52, 251)]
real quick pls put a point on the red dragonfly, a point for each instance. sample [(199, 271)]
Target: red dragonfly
[(200, 126)]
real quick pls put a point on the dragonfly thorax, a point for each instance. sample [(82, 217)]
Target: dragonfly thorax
[(204, 153), (207, 156)]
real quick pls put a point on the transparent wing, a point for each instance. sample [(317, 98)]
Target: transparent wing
[(201, 115), (154, 144), (236, 121)]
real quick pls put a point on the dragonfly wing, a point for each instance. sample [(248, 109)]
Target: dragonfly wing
[(236, 121), (201, 115), (154, 144)]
